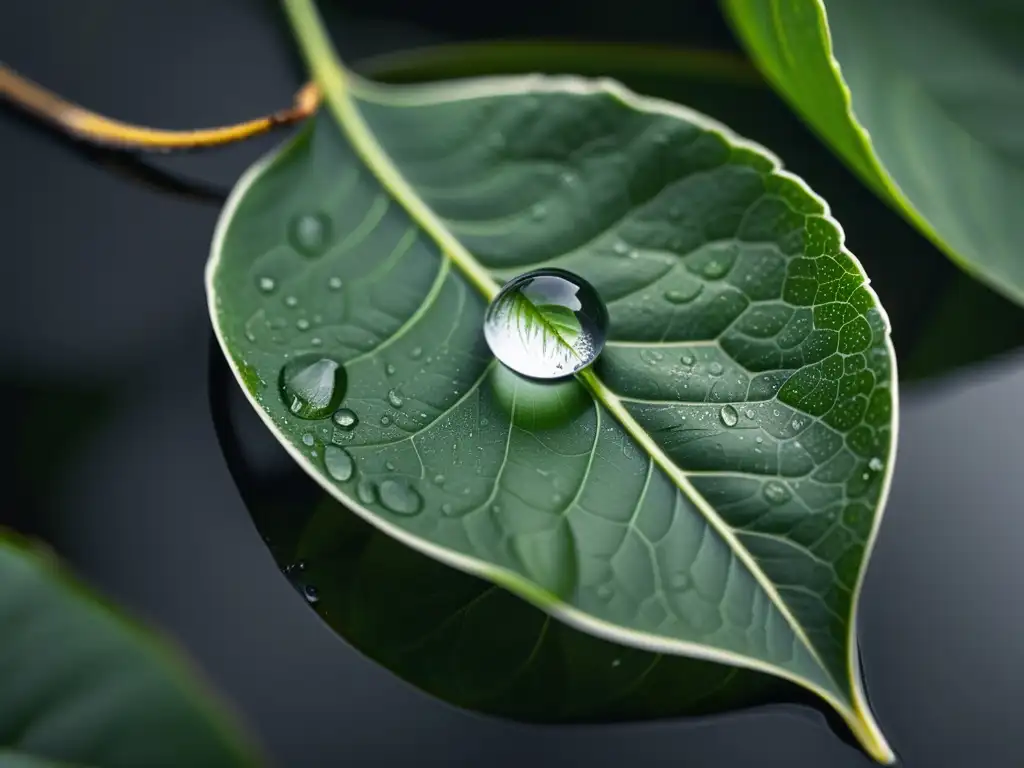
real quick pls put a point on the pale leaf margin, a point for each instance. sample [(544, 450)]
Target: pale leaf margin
[(337, 85)]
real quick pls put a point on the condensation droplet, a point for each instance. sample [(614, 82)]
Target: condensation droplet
[(311, 593), (546, 324), (439, 479), (308, 439), (385, 420), (389, 369), (416, 352), (399, 497), (310, 233), (339, 463), (345, 419), (266, 284), (291, 301), (302, 324), (728, 416), (875, 465), (395, 399), (334, 283)]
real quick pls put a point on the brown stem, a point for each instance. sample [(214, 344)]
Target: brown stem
[(96, 129)]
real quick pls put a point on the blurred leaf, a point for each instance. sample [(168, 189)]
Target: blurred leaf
[(82, 686), (927, 108)]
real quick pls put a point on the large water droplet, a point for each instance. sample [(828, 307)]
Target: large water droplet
[(546, 324), (311, 386), (729, 416), (366, 491), (345, 418), (310, 233), (775, 492), (399, 497), (339, 463)]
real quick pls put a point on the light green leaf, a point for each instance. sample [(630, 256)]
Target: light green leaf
[(711, 488), (84, 687), (924, 99)]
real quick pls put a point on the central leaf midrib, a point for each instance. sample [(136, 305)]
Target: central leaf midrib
[(330, 74)]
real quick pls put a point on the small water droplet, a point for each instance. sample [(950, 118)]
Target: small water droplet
[(620, 247), (447, 509), (546, 324), (687, 360), (875, 465), (311, 593), (339, 463), (385, 420), (651, 356), (267, 284), (399, 497), (728, 416), (758, 439), (715, 369), (395, 399), (366, 491), (302, 324), (775, 492), (311, 387), (334, 283), (538, 211), (389, 369), (616, 662), (308, 439), (345, 418), (680, 297), (714, 269), (291, 301), (310, 233), (389, 465), (416, 352), (750, 413)]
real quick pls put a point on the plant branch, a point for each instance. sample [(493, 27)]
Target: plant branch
[(80, 123)]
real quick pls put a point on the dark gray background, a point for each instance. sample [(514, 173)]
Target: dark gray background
[(104, 344)]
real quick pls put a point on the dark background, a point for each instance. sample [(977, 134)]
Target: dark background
[(104, 343)]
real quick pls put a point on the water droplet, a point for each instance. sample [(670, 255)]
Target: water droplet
[(399, 497), (395, 399), (291, 301), (267, 284), (334, 283), (385, 420), (345, 418), (750, 413), (312, 386), (775, 492), (634, 254), (311, 593), (875, 465), (316, 341), (339, 463), (439, 479), (546, 324), (389, 369), (758, 439), (616, 662), (310, 233), (302, 324), (366, 491), (715, 369), (686, 360), (680, 297), (538, 211), (680, 580), (621, 247), (416, 352), (308, 439), (651, 356), (729, 416), (447, 509), (714, 269)]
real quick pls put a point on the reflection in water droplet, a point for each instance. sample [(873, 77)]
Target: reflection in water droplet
[(311, 386), (339, 463), (310, 233), (546, 324), (714, 269), (715, 369), (875, 465), (266, 284), (308, 439), (395, 399), (729, 416), (389, 369), (366, 491), (345, 418), (399, 497), (334, 283), (775, 492)]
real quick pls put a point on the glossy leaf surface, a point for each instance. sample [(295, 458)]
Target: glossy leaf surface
[(929, 119), (711, 488), (84, 687)]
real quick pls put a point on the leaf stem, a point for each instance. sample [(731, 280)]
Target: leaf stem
[(82, 124)]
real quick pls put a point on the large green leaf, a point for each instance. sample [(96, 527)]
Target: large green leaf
[(83, 687), (924, 99), (712, 489)]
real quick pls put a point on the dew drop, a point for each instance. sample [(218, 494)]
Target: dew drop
[(389, 369), (308, 439), (345, 419), (266, 284), (714, 269), (438, 479), (715, 369), (302, 324), (546, 324), (687, 360), (399, 497), (366, 491), (447, 509), (311, 593), (416, 352), (385, 420), (291, 301), (775, 492), (395, 399), (621, 247), (680, 297), (728, 416), (310, 233), (339, 463), (875, 465), (334, 283), (311, 387), (750, 413)]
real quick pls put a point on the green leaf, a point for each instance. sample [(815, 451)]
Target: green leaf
[(711, 488), (923, 98), (82, 686)]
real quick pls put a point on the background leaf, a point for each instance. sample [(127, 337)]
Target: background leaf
[(83, 687), (929, 119), (744, 346)]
